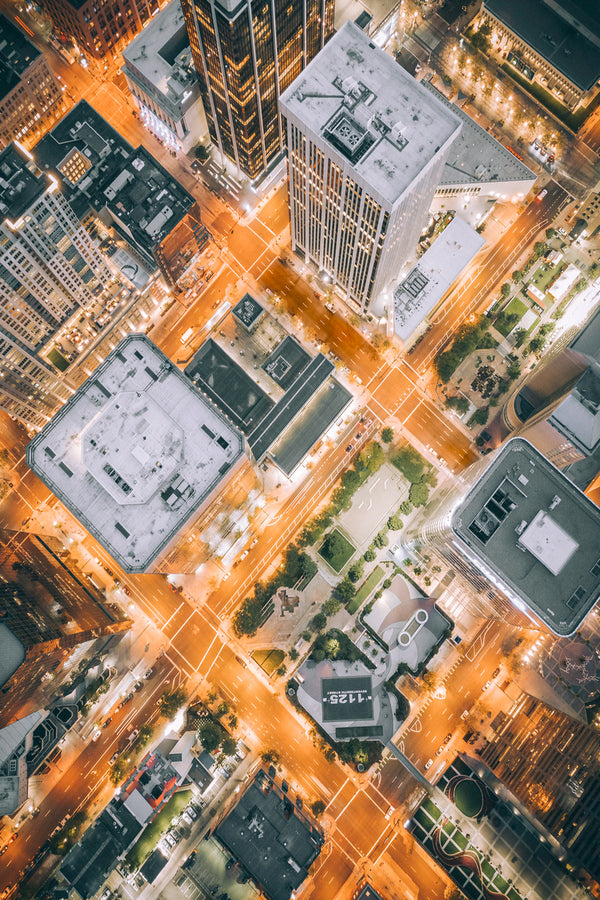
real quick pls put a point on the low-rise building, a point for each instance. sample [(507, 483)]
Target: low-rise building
[(420, 293), (273, 841), (100, 29), (136, 436), (553, 44), (31, 98), (160, 74)]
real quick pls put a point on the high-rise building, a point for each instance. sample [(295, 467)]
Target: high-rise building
[(37, 638), (521, 536), (366, 149), (552, 765), (558, 407), (49, 268), (160, 74), (99, 28), (246, 54), (31, 97)]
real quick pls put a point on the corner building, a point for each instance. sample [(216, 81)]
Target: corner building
[(246, 54), (366, 148)]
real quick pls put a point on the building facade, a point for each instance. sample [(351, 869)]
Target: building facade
[(100, 28), (160, 74), (31, 97), (551, 764), (366, 147), (246, 54)]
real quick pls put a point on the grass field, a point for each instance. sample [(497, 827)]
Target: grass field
[(342, 555), (515, 307), (368, 585), (150, 837), (58, 360)]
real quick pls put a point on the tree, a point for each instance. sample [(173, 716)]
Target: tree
[(430, 680), (270, 756), (229, 745), (333, 545), (282, 670), (410, 462), (331, 606), (356, 570), (345, 590), (387, 435), (210, 735), (517, 276), (394, 523), (514, 369), (536, 344), (247, 618), (170, 701), (381, 539), (369, 555), (538, 249), (318, 622), (117, 770), (550, 233), (460, 404), (143, 738), (293, 654), (405, 507), (317, 808), (519, 336), (419, 494), (479, 417), (505, 290)]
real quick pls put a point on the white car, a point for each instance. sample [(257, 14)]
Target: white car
[(428, 764), (170, 839), (186, 817), (191, 812)]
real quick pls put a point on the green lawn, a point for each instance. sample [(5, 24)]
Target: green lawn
[(468, 797), (269, 659), (545, 275), (368, 585), (58, 360), (150, 837), (342, 555), (515, 307)]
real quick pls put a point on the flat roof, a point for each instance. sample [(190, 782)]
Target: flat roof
[(286, 362), (347, 698), (422, 289), (271, 839), (12, 653), (135, 452), (300, 436), (16, 55), (161, 54), (99, 169), (293, 401), (375, 117), (248, 312), (552, 37), (535, 535), (475, 156), (21, 183), (229, 386)]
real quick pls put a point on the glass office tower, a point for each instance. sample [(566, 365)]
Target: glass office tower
[(246, 54)]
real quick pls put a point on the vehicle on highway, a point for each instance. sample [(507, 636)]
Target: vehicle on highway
[(3, 850), (464, 714), (113, 758), (241, 662), (542, 194), (349, 448), (107, 722), (186, 335), (329, 306), (496, 672), (133, 735), (486, 685)]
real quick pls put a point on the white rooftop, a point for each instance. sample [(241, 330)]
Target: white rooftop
[(476, 157), (135, 452), (435, 272), (548, 542), (376, 118), (157, 49)]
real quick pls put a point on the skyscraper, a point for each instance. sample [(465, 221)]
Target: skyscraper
[(523, 538), (366, 149), (551, 764), (246, 54), (49, 267)]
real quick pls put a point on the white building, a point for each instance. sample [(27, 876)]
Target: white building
[(160, 74), (418, 295), (366, 147), (136, 452)]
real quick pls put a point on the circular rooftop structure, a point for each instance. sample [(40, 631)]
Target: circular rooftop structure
[(132, 447)]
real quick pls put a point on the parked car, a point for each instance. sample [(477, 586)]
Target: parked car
[(428, 764)]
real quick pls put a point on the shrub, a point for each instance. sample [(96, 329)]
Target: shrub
[(387, 435), (405, 507)]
